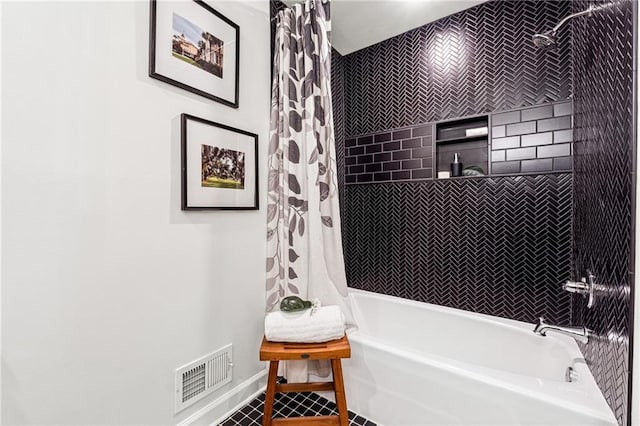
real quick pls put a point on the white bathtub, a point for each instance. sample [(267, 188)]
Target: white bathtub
[(414, 363)]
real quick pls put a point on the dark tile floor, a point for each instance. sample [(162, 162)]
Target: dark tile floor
[(290, 405)]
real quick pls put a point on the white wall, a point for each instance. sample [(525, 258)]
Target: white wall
[(107, 286)]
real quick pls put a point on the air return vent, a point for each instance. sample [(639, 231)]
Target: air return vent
[(198, 379)]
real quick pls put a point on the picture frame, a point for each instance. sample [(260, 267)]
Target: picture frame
[(194, 47), (219, 166)]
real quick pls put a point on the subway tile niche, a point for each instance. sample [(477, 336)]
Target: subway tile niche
[(401, 154), (526, 140), (531, 140)]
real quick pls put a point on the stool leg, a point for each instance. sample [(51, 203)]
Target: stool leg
[(270, 395), (338, 383)]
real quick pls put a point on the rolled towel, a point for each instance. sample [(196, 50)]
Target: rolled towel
[(326, 323)]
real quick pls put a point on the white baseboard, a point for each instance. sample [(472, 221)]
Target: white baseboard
[(225, 405), (241, 404)]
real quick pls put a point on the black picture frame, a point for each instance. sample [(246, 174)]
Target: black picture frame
[(159, 71), (213, 195)]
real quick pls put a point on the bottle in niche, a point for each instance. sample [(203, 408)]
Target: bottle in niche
[(456, 166)]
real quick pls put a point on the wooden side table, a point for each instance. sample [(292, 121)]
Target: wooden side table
[(334, 351)]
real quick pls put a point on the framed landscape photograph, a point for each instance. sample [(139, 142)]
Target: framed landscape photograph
[(219, 166), (194, 47)]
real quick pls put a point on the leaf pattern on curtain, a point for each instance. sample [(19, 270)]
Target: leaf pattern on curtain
[(303, 226)]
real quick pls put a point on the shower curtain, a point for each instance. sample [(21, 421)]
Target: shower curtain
[(304, 248)]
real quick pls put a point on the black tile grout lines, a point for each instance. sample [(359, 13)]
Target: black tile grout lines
[(290, 405)]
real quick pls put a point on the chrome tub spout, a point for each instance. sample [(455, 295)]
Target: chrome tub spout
[(581, 334)]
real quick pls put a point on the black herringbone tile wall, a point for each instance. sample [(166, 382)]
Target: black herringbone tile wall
[(337, 103), (498, 246), (274, 7), (603, 187), (476, 61)]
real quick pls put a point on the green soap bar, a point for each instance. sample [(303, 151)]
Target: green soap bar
[(294, 304)]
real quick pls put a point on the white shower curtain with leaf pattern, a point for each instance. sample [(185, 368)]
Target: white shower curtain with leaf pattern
[(304, 249)]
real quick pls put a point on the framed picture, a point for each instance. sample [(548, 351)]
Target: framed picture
[(219, 166), (194, 47)]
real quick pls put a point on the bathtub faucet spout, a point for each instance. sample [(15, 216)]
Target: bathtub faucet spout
[(581, 334)]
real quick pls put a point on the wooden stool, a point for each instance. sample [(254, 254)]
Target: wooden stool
[(333, 350)]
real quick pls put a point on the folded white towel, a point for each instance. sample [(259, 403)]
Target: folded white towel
[(326, 323)]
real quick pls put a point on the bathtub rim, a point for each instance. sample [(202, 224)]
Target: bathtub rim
[(562, 394), (502, 321)]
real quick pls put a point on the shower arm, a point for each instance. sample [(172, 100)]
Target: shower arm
[(589, 11)]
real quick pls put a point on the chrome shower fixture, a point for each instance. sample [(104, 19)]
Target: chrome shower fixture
[(545, 40), (548, 39)]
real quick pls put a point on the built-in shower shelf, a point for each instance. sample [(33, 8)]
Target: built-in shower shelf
[(469, 138), (462, 139)]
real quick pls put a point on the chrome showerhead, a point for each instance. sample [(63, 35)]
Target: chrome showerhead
[(545, 40)]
